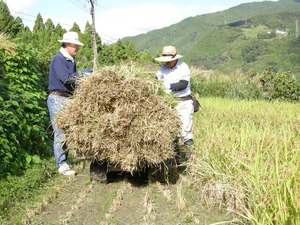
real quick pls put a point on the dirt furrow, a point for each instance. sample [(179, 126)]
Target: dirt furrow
[(126, 200)]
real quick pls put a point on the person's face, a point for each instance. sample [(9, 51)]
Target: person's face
[(172, 64), (72, 49)]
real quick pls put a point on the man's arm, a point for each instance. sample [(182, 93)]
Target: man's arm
[(181, 85)]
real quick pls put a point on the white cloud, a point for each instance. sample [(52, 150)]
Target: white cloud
[(19, 6), (217, 9), (130, 21)]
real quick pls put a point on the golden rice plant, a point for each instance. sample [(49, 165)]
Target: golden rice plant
[(121, 115), (247, 158)]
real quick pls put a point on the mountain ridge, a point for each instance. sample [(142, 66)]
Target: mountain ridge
[(192, 29), (246, 38)]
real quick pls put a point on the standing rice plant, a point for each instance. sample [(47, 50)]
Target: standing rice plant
[(236, 85), (247, 158)]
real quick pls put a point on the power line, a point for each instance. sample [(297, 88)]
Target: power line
[(28, 20), (108, 37), (22, 13), (83, 4), (35, 17), (79, 5)]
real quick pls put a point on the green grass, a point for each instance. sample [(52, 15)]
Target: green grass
[(248, 158), (20, 194), (252, 33)]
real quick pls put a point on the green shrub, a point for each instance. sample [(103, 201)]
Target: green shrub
[(23, 111), (280, 85)]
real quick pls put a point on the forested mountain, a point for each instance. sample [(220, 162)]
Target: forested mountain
[(240, 38)]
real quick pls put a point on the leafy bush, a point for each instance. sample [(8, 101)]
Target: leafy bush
[(23, 111), (280, 85)]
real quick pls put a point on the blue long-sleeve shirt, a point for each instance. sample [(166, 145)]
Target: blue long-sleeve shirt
[(62, 70)]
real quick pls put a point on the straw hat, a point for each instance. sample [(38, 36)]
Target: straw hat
[(71, 37), (169, 54)]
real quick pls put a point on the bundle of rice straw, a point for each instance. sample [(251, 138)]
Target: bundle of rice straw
[(120, 115)]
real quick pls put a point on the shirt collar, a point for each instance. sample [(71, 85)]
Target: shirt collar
[(66, 55), (176, 66)]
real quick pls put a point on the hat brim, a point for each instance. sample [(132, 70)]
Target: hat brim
[(71, 42), (168, 58)]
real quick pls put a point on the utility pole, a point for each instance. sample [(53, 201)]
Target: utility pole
[(95, 68), (297, 29)]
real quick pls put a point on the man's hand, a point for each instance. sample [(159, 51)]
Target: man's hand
[(87, 70), (168, 85)]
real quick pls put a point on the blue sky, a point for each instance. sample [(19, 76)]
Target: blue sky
[(116, 19)]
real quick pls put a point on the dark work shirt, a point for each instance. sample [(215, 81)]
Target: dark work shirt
[(62, 70)]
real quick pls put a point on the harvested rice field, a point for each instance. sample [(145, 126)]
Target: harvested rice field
[(126, 200)]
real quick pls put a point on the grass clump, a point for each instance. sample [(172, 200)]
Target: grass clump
[(20, 193), (121, 115)]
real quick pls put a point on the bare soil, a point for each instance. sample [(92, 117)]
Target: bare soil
[(125, 199)]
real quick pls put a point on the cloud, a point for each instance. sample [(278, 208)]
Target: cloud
[(217, 9), (19, 6), (131, 21)]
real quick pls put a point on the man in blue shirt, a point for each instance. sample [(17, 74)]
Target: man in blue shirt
[(61, 87)]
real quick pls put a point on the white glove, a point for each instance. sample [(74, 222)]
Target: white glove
[(167, 85)]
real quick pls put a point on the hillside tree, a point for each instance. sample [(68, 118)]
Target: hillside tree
[(6, 19), (38, 24), (49, 25), (75, 28)]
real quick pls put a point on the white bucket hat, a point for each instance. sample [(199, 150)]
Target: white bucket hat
[(72, 38), (169, 54)]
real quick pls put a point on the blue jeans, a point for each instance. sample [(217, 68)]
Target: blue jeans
[(55, 104)]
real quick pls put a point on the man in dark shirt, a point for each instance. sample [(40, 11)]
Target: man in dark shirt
[(61, 87)]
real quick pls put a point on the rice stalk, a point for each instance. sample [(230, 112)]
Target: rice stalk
[(180, 199), (121, 117), (8, 46), (248, 158)]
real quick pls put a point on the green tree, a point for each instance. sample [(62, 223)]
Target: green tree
[(75, 28), (38, 24), (280, 85), (17, 25), (87, 37), (49, 25), (131, 52), (146, 58), (6, 19), (59, 30)]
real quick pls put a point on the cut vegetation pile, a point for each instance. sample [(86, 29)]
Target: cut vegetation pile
[(120, 115)]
